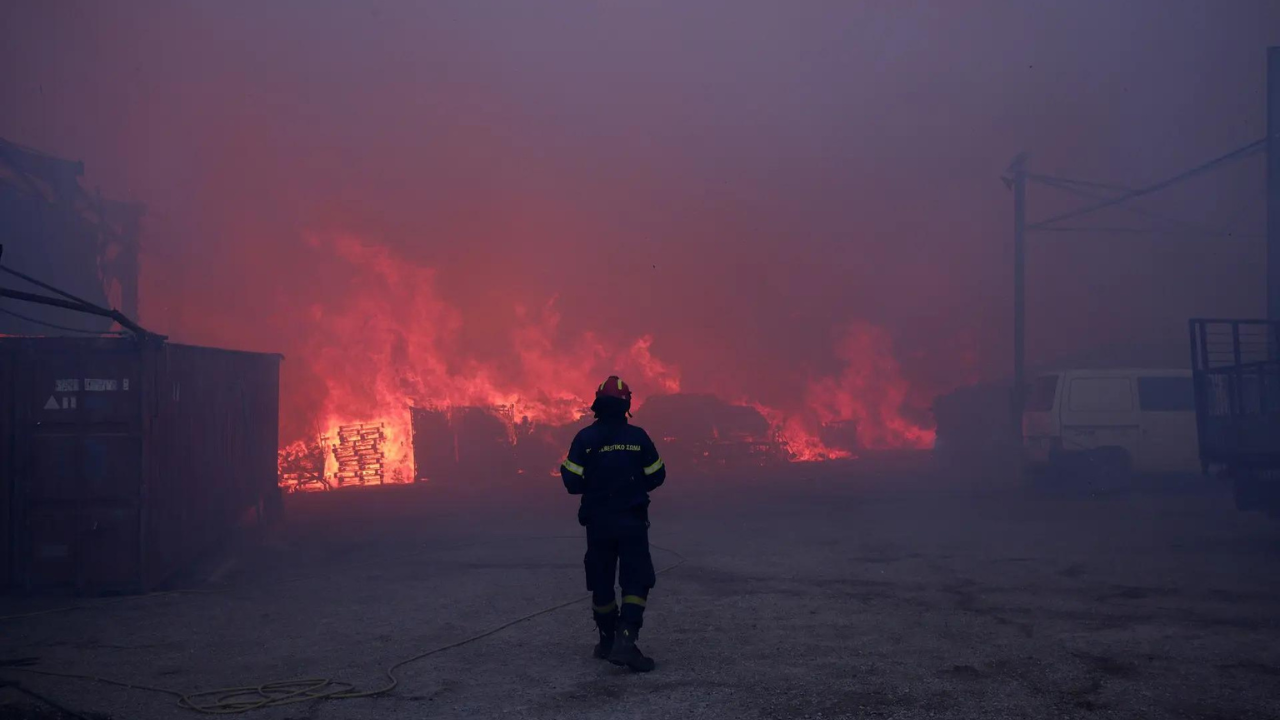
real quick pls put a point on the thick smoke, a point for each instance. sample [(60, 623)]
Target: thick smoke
[(794, 207)]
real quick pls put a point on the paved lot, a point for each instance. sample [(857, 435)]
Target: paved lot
[(871, 598)]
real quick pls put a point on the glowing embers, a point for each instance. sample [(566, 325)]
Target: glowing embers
[(359, 455)]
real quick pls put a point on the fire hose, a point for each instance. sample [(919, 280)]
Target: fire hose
[(246, 698)]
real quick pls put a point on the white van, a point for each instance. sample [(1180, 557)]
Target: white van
[(1141, 421)]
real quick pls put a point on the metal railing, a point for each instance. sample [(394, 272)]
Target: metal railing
[(1236, 366)]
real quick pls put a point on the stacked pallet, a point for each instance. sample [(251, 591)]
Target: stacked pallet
[(303, 481), (359, 454)]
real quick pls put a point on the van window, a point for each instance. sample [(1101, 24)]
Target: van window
[(1041, 394), (1166, 394), (1101, 395)]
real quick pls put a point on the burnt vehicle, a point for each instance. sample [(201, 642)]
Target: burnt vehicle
[(702, 433)]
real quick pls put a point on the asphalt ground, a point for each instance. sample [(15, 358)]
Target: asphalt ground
[(877, 595)]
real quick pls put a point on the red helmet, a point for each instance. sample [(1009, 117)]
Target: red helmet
[(614, 387)]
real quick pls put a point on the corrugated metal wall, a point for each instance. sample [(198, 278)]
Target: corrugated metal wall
[(129, 459), (213, 458)]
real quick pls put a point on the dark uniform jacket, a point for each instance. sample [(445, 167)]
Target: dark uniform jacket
[(614, 466)]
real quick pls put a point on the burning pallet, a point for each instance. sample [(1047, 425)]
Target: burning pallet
[(302, 481), (359, 454), (302, 467)]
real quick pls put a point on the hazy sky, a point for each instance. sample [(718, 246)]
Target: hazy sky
[(737, 178)]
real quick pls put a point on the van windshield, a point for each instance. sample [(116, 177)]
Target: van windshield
[(1042, 392)]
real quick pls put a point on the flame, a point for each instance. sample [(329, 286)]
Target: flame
[(383, 340), (870, 392), (798, 435), (390, 343)]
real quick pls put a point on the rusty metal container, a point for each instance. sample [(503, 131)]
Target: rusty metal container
[(126, 460)]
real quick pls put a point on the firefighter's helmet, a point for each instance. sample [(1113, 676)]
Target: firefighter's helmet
[(615, 388)]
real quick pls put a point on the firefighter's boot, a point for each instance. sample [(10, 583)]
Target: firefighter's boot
[(626, 652), (606, 625)]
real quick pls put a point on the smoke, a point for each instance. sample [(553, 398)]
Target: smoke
[(793, 207)]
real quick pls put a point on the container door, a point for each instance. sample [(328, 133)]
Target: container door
[(1168, 442), (77, 465)]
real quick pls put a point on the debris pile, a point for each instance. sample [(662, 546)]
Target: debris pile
[(302, 467)]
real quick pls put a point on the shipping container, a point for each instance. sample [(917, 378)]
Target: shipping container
[(125, 460)]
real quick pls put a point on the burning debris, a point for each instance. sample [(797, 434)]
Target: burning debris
[(471, 442), (386, 341), (302, 467), (705, 433), (359, 455)]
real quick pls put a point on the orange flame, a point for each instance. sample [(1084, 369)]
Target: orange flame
[(870, 392), (392, 344)]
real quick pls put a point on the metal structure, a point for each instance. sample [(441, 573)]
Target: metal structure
[(1273, 184), (66, 302), (1018, 184), (124, 459), (1236, 368), (1237, 377)]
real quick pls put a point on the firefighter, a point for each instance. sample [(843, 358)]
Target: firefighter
[(614, 466)]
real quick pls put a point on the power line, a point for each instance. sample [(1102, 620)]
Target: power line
[(1064, 186), (1192, 234), (1236, 154), (46, 286), (58, 327), (1057, 181), (72, 302), (1186, 226)]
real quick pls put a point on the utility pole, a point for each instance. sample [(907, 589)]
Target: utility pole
[(1273, 183), (1017, 181)]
